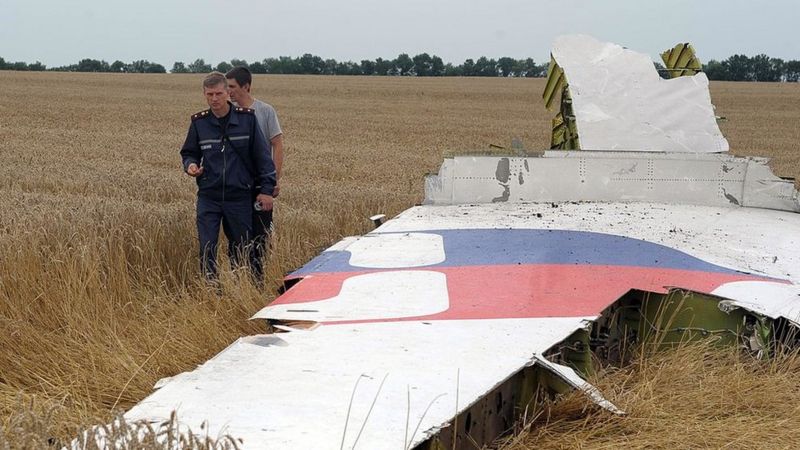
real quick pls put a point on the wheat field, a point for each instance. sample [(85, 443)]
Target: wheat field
[(99, 290)]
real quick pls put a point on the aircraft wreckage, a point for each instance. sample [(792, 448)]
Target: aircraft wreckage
[(438, 328)]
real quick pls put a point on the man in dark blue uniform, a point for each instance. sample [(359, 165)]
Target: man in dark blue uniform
[(227, 153)]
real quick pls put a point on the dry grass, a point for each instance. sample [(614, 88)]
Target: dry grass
[(31, 427), (696, 396), (98, 286)]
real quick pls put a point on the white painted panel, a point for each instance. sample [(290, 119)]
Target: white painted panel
[(382, 295), (621, 103), (559, 176), (397, 251), (770, 299), (293, 390)]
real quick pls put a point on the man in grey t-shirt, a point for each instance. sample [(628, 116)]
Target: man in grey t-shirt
[(239, 82)]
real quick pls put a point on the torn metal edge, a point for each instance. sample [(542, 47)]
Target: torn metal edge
[(576, 381)]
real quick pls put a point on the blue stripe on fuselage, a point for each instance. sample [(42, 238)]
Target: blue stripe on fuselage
[(473, 247)]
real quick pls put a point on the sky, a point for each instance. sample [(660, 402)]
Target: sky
[(56, 32)]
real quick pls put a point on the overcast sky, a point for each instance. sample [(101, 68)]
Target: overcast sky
[(58, 32)]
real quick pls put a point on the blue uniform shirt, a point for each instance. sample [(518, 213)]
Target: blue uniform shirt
[(235, 160)]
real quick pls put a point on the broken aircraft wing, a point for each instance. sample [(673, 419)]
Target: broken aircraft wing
[(436, 328)]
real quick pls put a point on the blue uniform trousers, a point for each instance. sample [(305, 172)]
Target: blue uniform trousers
[(236, 217), (262, 228)]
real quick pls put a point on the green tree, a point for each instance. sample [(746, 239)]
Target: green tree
[(348, 68), (423, 65), (715, 70), (223, 67), (383, 66), (404, 64), (528, 68), (791, 70), (37, 66), (291, 65), (239, 63), (283, 64), (138, 66), (506, 66), (485, 67), (310, 64), (145, 66), (92, 65), (179, 67), (765, 68), (367, 67), (437, 66), (468, 68), (739, 68), (270, 64), (69, 68), (117, 66), (258, 67), (199, 66), (155, 68), (330, 66), (533, 70), (453, 71)]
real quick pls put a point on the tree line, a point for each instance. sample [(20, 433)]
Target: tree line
[(404, 65), (88, 65), (758, 68), (735, 68)]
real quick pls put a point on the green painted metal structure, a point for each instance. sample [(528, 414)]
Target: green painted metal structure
[(681, 60), (565, 131)]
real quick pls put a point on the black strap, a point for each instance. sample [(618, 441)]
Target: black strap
[(248, 162)]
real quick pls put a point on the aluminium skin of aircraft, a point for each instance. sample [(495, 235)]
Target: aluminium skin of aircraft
[(438, 327)]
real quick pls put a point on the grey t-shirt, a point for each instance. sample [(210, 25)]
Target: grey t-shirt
[(267, 119)]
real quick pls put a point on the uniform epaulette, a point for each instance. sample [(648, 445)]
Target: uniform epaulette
[(200, 115), (240, 109)]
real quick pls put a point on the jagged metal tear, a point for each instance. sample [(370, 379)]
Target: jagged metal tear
[(572, 378), (622, 104)]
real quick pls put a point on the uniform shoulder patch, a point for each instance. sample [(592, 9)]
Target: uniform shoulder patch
[(245, 110), (200, 114)]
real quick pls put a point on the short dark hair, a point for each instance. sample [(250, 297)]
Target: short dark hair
[(241, 74)]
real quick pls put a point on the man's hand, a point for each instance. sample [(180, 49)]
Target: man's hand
[(265, 201), (276, 190), (193, 170)]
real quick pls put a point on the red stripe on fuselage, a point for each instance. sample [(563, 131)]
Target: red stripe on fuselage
[(528, 291)]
